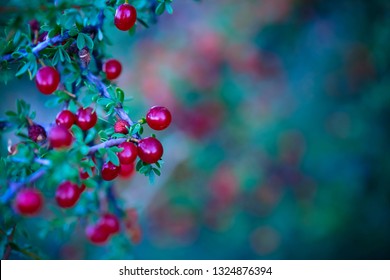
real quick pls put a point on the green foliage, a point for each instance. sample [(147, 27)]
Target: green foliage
[(71, 37)]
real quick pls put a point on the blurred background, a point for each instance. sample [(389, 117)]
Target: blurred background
[(279, 143)]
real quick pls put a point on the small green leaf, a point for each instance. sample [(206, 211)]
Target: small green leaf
[(112, 157), (89, 42), (104, 101), (169, 8), (120, 95), (73, 31), (145, 169), (22, 70), (151, 178), (139, 165), (84, 150), (78, 133), (80, 41)]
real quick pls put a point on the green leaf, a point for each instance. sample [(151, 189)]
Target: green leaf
[(120, 95), (139, 165), (155, 170), (133, 30), (73, 31), (22, 70), (80, 41), (89, 42), (104, 101), (151, 178), (145, 169), (84, 150), (78, 133), (169, 8), (112, 157), (103, 135)]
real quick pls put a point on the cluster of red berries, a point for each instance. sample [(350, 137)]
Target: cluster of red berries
[(29, 201), (100, 232), (148, 149)]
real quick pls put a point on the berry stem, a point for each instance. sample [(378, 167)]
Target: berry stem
[(15, 186), (8, 249), (109, 143)]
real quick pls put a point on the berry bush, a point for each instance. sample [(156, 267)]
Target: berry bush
[(64, 168)]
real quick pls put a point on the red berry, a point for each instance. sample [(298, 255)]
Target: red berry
[(112, 68), (158, 118), (110, 222), (47, 79), (67, 194), (28, 202), (86, 118), (97, 234), (34, 25), (65, 118), (110, 171), (150, 150), (37, 133), (121, 127), (125, 17), (127, 170), (60, 137), (128, 154)]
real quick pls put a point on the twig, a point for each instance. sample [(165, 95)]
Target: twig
[(15, 186), (8, 249), (41, 161), (103, 91), (38, 48), (109, 143)]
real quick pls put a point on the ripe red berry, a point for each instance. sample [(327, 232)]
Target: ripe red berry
[(36, 133), (150, 150), (110, 222), (60, 137), (158, 117), (125, 17), (65, 118), (86, 118), (112, 68), (121, 126), (47, 79), (128, 154), (127, 170), (67, 194), (110, 171), (97, 234), (28, 202)]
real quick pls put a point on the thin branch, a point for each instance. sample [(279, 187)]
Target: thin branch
[(15, 186), (109, 143), (40, 161), (8, 249), (38, 48), (103, 91)]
